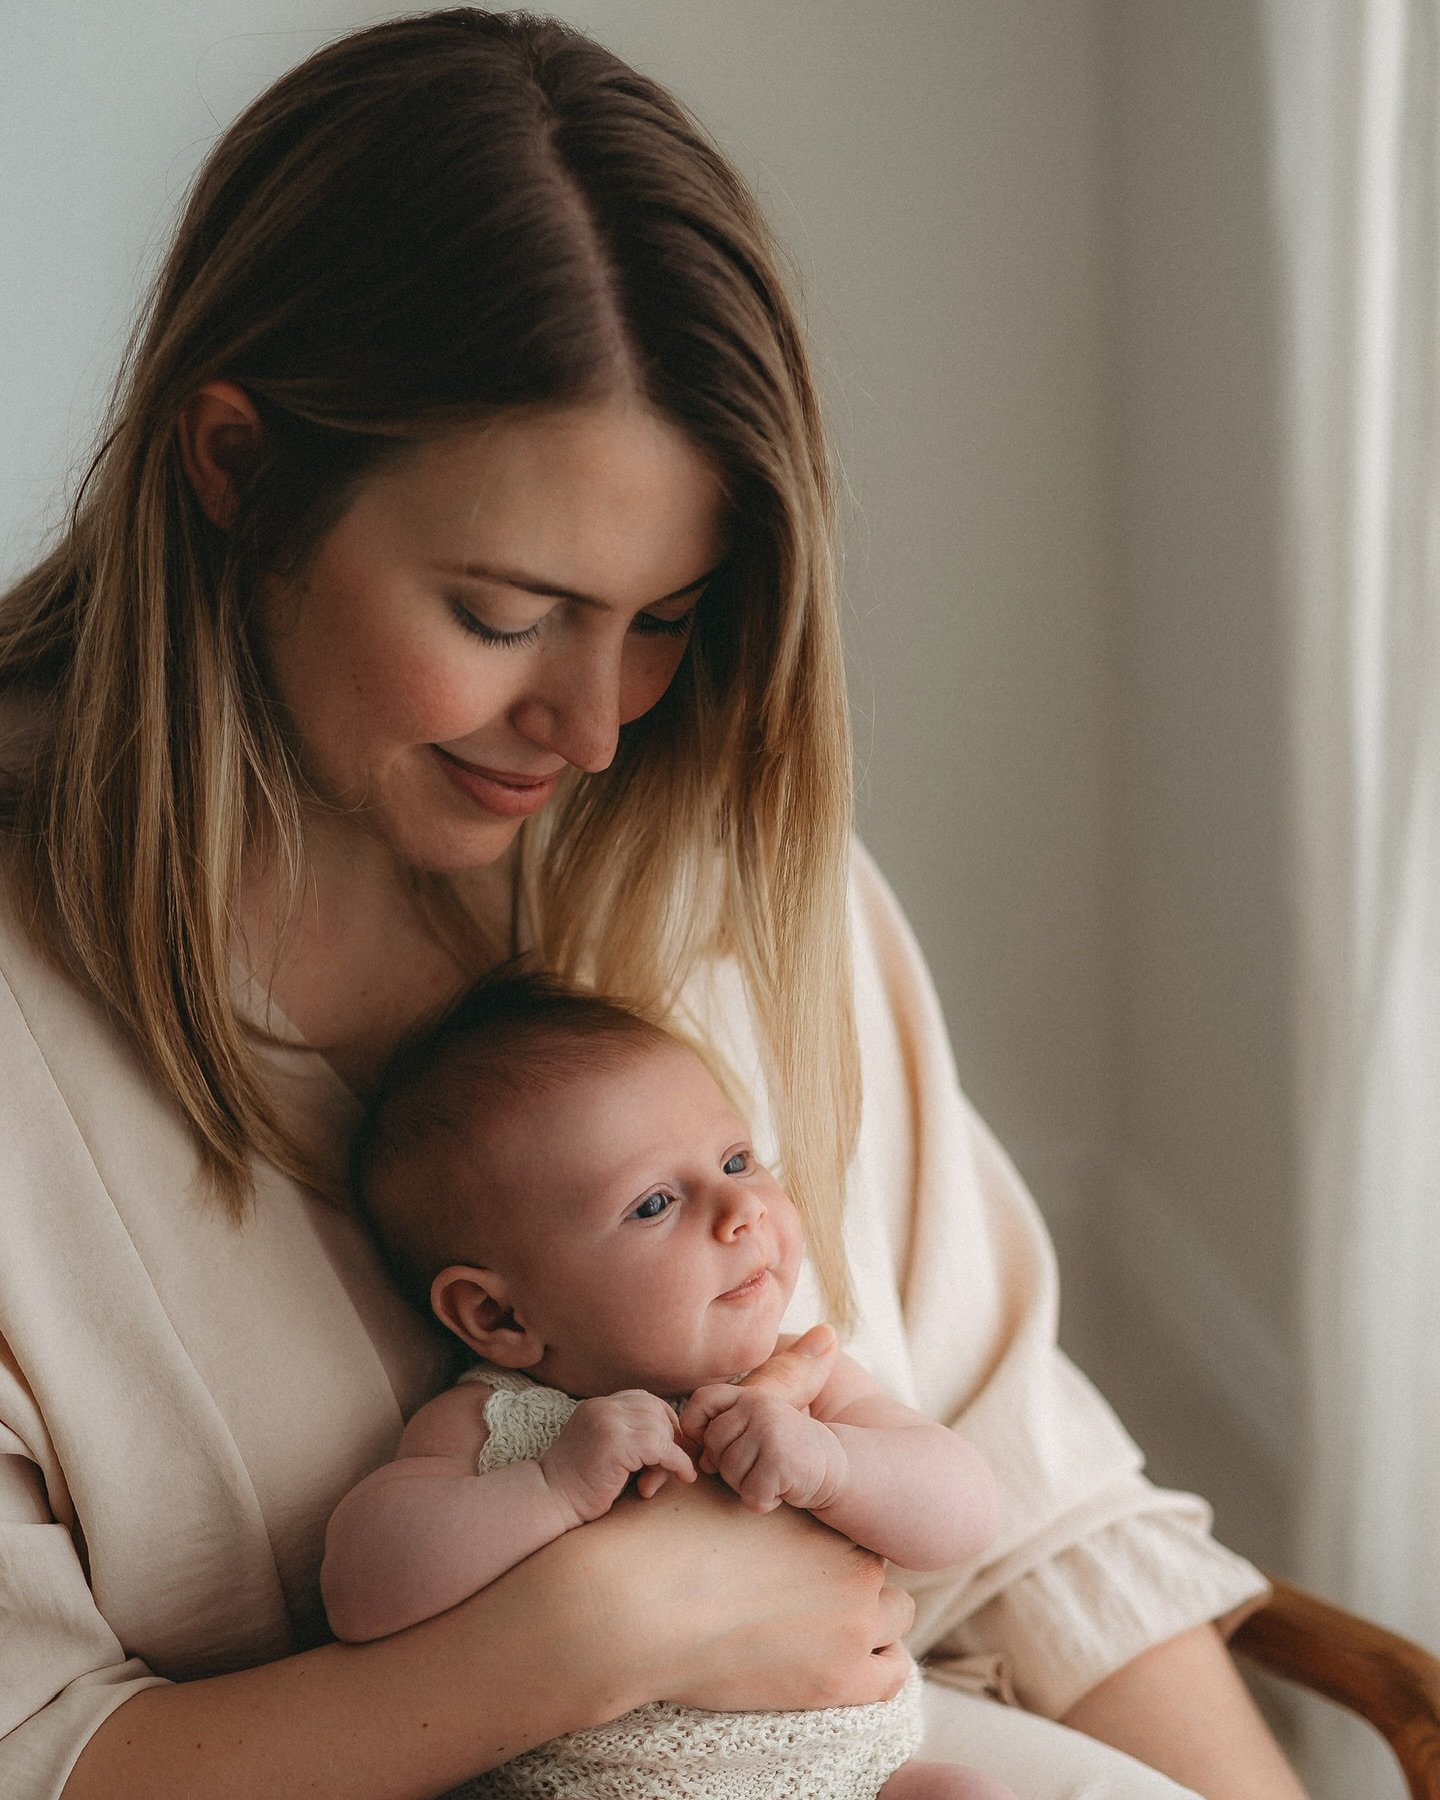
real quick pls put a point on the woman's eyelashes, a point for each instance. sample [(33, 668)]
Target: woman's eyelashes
[(644, 624), (649, 626), (488, 634)]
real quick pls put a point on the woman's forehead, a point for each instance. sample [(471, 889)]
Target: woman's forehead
[(610, 505)]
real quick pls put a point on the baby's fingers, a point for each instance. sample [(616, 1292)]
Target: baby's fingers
[(668, 1459), (723, 1431), (751, 1474), (719, 1436), (705, 1404)]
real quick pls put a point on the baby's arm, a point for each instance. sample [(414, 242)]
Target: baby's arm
[(425, 1531), (884, 1475)]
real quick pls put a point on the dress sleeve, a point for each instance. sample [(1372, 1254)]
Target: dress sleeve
[(1093, 1564), (62, 1670)]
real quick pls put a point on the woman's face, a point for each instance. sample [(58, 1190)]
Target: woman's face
[(488, 613)]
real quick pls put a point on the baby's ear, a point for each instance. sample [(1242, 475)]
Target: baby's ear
[(475, 1305)]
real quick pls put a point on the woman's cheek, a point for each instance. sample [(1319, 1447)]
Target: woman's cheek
[(648, 670), (430, 698)]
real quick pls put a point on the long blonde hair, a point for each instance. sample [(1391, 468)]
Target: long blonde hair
[(423, 225)]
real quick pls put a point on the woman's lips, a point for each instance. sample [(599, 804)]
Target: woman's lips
[(497, 791)]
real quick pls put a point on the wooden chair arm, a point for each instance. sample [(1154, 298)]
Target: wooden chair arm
[(1387, 1680)]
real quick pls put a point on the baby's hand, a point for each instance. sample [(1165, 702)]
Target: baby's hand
[(604, 1443), (764, 1448)]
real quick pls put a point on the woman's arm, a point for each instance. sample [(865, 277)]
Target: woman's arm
[(1182, 1708), (602, 1620)]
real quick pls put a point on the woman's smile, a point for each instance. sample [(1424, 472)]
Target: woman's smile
[(507, 796)]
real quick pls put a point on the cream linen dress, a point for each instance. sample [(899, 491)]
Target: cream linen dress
[(183, 1402)]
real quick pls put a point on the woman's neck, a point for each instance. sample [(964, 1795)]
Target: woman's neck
[(355, 962)]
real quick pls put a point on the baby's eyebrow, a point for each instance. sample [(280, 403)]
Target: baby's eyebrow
[(552, 590)]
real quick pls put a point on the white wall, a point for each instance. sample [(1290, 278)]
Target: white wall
[(1200, 1220)]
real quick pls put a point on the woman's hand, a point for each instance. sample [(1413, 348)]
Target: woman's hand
[(731, 1610), (686, 1597)]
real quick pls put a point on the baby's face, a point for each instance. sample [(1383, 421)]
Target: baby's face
[(643, 1242)]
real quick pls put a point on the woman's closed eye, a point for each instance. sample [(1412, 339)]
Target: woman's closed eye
[(653, 1206), (648, 625), (491, 634), (643, 624)]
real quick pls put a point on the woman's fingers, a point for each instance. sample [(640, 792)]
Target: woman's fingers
[(892, 1663), (897, 1610), (798, 1373)]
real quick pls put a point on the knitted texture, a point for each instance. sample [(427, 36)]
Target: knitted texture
[(668, 1752), (524, 1418)]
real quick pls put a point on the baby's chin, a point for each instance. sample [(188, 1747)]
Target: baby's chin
[(708, 1375)]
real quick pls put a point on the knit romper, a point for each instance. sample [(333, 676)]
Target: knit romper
[(667, 1752)]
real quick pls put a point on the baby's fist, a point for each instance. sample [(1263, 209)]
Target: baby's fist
[(607, 1440), (765, 1449)]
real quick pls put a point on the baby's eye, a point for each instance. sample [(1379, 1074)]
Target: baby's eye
[(738, 1163), (653, 1206)]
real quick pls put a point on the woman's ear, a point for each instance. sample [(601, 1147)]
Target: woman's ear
[(221, 441), (475, 1305)]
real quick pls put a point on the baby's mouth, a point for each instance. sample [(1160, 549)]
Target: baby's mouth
[(751, 1285)]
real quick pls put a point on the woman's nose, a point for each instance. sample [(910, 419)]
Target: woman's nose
[(574, 710)]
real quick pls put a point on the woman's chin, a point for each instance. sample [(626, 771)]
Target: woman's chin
[(447, 849)]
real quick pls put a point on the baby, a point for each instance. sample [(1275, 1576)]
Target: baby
[(568, 1188)]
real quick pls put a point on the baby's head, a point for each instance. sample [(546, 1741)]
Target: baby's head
[(568, 1188)]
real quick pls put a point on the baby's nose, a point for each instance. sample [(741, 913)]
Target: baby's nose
[(741, 1212)]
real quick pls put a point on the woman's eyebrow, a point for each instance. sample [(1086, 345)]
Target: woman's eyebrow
[(550, 590)]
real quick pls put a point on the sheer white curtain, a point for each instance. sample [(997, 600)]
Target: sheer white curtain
[(1356, 87)]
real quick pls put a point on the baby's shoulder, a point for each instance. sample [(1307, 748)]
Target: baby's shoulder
[(451, 1425)]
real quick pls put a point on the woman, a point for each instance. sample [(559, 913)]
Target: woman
[(454, 575)]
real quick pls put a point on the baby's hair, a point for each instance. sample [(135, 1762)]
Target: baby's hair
[(413, 1161)]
